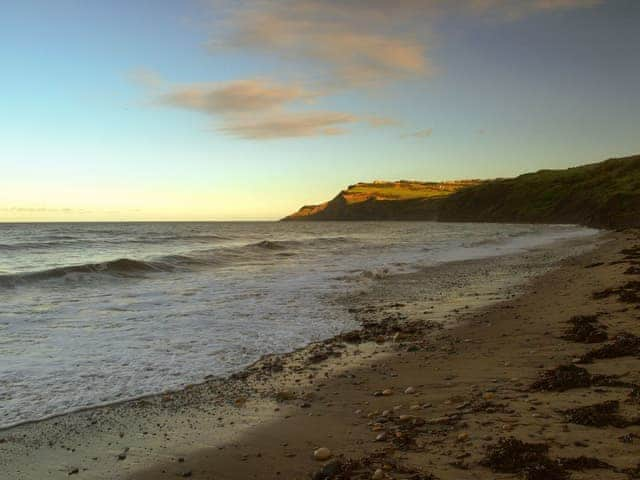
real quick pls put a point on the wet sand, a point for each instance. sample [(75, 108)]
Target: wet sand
[(426, 389)]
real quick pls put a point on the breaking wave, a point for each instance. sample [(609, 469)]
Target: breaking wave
[(265, 250)]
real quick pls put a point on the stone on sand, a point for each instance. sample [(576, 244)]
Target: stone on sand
[(322, 454)]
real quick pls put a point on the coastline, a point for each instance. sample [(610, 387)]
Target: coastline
[(283, 399)]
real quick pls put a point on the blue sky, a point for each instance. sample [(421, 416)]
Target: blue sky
[(214, 110)]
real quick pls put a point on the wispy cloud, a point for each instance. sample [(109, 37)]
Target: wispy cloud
[(424, 133), (376, 121), (360, 42), (259, 109), (289, 124), (341, 45), (354, 42), (237, 96), (517, 9)]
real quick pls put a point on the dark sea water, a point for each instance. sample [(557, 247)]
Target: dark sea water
[(97, 313)]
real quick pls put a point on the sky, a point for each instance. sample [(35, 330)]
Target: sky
[(248, 109)]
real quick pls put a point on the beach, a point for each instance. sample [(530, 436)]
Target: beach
[(417, 391)]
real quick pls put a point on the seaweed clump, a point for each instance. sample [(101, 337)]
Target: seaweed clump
[(567, 377), (530, 460), (627, 293), (584, 463), (598, 415), (624, 345), (585, 329)]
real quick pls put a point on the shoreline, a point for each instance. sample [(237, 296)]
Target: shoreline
[(254, 405), (346, 301)]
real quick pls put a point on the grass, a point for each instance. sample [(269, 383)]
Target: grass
[(402, 190)]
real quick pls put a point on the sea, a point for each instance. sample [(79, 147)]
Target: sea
[(96, 313)]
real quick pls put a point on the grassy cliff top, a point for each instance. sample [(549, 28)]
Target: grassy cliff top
[(402, 190)]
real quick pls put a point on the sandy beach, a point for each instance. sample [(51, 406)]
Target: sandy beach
[(462, 386)]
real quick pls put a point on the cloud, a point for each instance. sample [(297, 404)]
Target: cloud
[(237, 96), (376, 121), (425, 133), (517, 9), (260, 109), (341, 45), (359, 42), (354, 42), (289, 124)]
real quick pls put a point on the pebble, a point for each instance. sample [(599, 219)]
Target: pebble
[(378, 475), (387, 392), (410, 390), (463, 437), (381, 437), (322, 454)]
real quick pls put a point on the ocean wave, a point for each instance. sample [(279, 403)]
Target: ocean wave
[(65, 241), (121, 267), (265, 250)]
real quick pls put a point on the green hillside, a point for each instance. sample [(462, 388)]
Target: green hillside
[(605, 194)]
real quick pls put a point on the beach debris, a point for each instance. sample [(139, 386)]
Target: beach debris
[(285, 395), (379, 463), (531, 460), (272, 364), (353, 336), (331, 470), (584, 463), (624, 344), (598, 415), (593, 265), (321, 454), (585, 329), (634, 395), (627, 293), (378, 474), (566, 377), (632, 270), (632, 253), (629, 437)]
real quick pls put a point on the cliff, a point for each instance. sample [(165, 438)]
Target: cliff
[(401, 200), (605, 195)]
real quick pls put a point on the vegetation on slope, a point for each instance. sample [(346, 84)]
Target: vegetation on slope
[(605, 194)]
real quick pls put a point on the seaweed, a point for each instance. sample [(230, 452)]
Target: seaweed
[(627, 293), (585, 329), (598, 415), (624, 344), (583, 463), (567, 377), (632, 270), (531, 460)]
